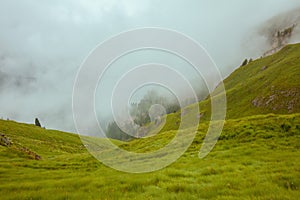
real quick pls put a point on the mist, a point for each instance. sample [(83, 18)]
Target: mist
[(261, 38), (43, 44)]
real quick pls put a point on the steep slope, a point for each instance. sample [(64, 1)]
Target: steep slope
[(266, 85)]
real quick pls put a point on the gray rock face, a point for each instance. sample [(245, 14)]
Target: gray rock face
[(4, 141), (284, 100), (280, 39)]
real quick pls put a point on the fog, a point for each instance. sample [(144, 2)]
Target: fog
[(42, 44)]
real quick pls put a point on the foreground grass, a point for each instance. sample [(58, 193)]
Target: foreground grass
[(255, 158)]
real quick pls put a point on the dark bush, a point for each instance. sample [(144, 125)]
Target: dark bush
[(245, 62), (37, 122), (286, 127)]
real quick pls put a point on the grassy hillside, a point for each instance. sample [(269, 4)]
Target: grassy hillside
[(45, 143), (256, 157), (266, 85)]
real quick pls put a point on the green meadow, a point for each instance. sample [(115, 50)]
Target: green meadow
[(256, 157)]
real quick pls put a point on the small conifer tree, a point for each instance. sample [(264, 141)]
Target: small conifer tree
[(245, 62), (37, 122)]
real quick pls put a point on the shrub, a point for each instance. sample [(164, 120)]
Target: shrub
[(37, 122), (286, 127), (245, 62)]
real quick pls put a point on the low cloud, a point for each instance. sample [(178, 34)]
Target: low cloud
[(43, 44)]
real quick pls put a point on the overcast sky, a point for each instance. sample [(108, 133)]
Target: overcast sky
[(43, 43)]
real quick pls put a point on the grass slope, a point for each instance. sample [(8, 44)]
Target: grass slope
[(256, 157), (267, 85)]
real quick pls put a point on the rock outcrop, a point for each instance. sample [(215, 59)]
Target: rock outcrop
[(4, 140), (287, 100), (280, 39)]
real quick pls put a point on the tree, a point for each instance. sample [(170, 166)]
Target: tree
[(245, 62), (172, 108), (37, 122), (114, 132), (140, 111)]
